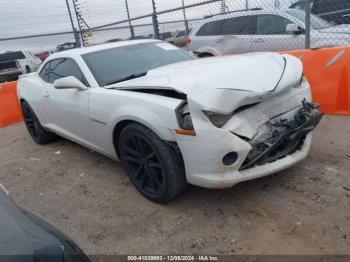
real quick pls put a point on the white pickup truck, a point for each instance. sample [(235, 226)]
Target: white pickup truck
[(14, 64)]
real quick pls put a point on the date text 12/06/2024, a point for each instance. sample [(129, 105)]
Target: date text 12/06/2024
[(173, 258)]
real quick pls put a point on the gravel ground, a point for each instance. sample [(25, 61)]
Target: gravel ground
[(304, 210)]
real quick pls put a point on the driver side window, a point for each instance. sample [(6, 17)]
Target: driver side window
[(272, 25), (60, 68)]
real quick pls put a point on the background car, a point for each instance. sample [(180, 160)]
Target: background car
[(165, 35), (14, 64), (263, 30), (66, 46), (179, 39), (25, 236), (336, 11)]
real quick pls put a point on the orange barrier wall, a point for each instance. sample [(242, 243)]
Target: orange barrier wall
[(328, 71), (10, 111)]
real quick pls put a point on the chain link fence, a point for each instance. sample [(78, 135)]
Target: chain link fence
[(207, 27)]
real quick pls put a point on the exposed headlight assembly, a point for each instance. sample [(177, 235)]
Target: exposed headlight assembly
[(185, 121), (218, 120)]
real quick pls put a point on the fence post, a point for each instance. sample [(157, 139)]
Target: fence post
[(130, 25), (185, 18), (308, 24), (78, 19), (76, 36), (155, 20), (223, 6)]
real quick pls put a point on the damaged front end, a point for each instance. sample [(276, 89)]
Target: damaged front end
[(283, 136)]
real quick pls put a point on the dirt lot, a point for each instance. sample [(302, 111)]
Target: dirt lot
[(304, 210)]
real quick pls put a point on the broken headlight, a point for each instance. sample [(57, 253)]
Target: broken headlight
[(218, 120), (184, 117)]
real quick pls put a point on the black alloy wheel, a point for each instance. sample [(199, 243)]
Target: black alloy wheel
[(144, 161), (152, 165), (35, 129)]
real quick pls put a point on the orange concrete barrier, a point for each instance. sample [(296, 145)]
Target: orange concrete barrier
[(328, 71), (10, 111)]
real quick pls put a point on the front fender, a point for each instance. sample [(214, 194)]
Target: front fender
[(107, 108), (150, 119)]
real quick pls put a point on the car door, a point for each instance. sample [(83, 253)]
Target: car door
[(208, 37), (238, 32), (66, 109), (272, 35)]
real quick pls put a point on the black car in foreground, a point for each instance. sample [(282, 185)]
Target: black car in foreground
[(336, 11), (27, 237)]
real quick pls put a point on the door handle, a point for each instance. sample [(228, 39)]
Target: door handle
[(260, 40), (46, 94), (347, 15), (220, 40)]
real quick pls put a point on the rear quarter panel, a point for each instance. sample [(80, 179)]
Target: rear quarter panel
[(30, 88)]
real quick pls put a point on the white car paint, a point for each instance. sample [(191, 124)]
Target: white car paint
[(220, 85), (216, 45)]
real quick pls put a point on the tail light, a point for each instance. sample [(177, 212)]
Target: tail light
[(188, 41)]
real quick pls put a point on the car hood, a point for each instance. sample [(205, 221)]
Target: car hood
[(225, 83), (250, 72), (338, 29)]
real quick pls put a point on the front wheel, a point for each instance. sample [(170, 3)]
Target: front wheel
[(153, 166), (35, 129)]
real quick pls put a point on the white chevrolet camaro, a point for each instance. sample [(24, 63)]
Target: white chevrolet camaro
[(173, 119)]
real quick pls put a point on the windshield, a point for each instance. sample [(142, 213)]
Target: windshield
[(317, 23), (122, 63)]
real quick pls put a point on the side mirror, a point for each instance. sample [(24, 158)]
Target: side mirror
[(293, 29), (69, 82)]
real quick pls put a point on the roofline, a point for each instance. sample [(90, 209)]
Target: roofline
[(90, 49), (245, 12)]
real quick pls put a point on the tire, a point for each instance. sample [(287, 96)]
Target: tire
[(153, 166), (204, 55), (35, 129)]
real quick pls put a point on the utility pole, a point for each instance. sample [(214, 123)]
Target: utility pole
[(77, 14), (308, 24), (246, 4), (76, 37), (155, 20), (185, 18), (130, 25)]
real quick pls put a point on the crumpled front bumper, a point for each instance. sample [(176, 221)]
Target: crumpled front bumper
[(287, 143), (286, 136)]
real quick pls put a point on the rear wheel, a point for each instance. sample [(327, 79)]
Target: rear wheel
[(203, 55), (35, 129), (153, 166)]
